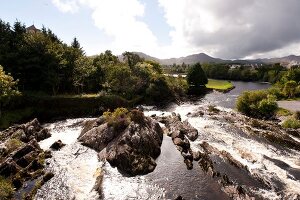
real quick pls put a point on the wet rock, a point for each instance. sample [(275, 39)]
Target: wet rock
[(48, 176), (132, 150), (57, 145), (196, 155), (178, 129), (90, 124), (179, 198), (26, 132)]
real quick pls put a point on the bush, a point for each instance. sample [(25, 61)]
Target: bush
[(257, 104), (13, 144), (291, 123), (119, 119), (6, 189)]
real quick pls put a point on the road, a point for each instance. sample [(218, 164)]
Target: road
[(290, 105)]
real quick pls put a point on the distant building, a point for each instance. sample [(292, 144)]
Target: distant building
[(32, 29)]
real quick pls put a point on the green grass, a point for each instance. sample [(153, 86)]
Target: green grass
[(283, 112), (219, 85), (291, 123)]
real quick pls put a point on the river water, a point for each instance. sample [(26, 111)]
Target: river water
[(76, 167)]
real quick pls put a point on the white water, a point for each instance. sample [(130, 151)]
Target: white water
[(75, 167), (251, 153)]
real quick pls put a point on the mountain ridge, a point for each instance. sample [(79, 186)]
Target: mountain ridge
[(204, 58)]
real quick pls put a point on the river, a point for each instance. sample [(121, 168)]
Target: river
[(76, 167)]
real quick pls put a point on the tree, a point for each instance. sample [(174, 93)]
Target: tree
[(131, 58), (196, 76), (8, 88), (290, 88)]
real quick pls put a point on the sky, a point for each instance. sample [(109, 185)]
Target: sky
[(228, 29)]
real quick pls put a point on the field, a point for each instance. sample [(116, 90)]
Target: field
[(221, 85)]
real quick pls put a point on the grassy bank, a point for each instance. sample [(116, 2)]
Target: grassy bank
[(220, 85), (47, 108)]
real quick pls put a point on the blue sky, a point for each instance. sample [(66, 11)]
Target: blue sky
[(168, 28)]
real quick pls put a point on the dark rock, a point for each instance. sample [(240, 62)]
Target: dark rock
[(57, 145), (179, 198), (48, 154), (189, 163), (178, 129), (131, 150), (8, 167), (178, 142), (27, 132), (196, 155), (48, 176)]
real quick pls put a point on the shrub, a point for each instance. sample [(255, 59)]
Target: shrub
[(291, 123), (257, 104), (119, 119), (6, 189), (13, 144)]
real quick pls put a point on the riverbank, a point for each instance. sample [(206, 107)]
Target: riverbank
[(50, 108), (219, 85)]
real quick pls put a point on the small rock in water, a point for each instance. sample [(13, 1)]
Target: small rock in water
[(57, 145)]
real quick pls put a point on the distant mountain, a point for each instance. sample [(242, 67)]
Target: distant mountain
[(191, 59), (204, 58)]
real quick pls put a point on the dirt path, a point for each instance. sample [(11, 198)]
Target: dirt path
[(290, 105)]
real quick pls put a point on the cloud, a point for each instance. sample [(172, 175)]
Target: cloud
[(226, 29), (66, 5), (121, 20), (235, 28)]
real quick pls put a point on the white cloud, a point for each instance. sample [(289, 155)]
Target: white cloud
[(121, 20), (226, 29), (66, 5), (234, 28)]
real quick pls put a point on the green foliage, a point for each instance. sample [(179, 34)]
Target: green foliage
[(196, 76), (289, 89), (178, 85), (8, 88), (6, 189), (257, 104), (291, 123), (119, 119), (283, 112), (13, 144)]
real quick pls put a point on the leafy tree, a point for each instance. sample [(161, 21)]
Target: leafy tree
[(196, 76), (83, 70), (131, 58), (290, 89), (8, 88)]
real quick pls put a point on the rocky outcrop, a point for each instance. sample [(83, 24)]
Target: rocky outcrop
[(132, 150), (181, 133), (21, 158), (26, 132), (179, 129)]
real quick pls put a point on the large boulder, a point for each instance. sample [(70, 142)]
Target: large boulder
[(132, 150)]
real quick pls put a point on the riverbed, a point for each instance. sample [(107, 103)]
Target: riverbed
[(76, 167)]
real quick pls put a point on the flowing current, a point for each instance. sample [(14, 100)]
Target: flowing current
[(76, 167)]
